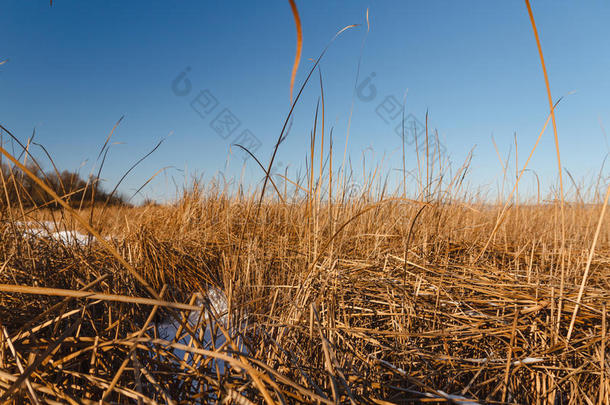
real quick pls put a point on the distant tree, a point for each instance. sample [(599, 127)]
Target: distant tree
[(16, 188)]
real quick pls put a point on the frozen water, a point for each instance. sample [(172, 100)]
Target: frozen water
[(204, 327), (458, 398)]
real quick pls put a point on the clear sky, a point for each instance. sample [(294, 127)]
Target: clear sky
[(75, 68)]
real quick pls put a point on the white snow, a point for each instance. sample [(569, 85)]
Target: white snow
[(528, 360), (456, 398), (204, 328), (50, 230)]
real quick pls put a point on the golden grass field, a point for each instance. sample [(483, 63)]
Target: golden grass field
[(307, 291), (365, 301)]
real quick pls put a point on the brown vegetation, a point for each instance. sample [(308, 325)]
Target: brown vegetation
[(21, 190), (385, 300), (334, 294)]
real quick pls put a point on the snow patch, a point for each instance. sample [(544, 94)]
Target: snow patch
[(50, 230), (455, 398), (528, 360), (206, 327)]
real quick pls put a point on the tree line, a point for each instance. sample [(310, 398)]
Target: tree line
[(17, 188)]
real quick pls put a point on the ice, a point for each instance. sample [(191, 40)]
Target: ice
[(458, 398), (205, 326)]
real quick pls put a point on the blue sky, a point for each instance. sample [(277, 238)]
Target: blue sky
[(75, 68)]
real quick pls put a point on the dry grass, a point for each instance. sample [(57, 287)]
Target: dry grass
[(331, 297), (324, 307)]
